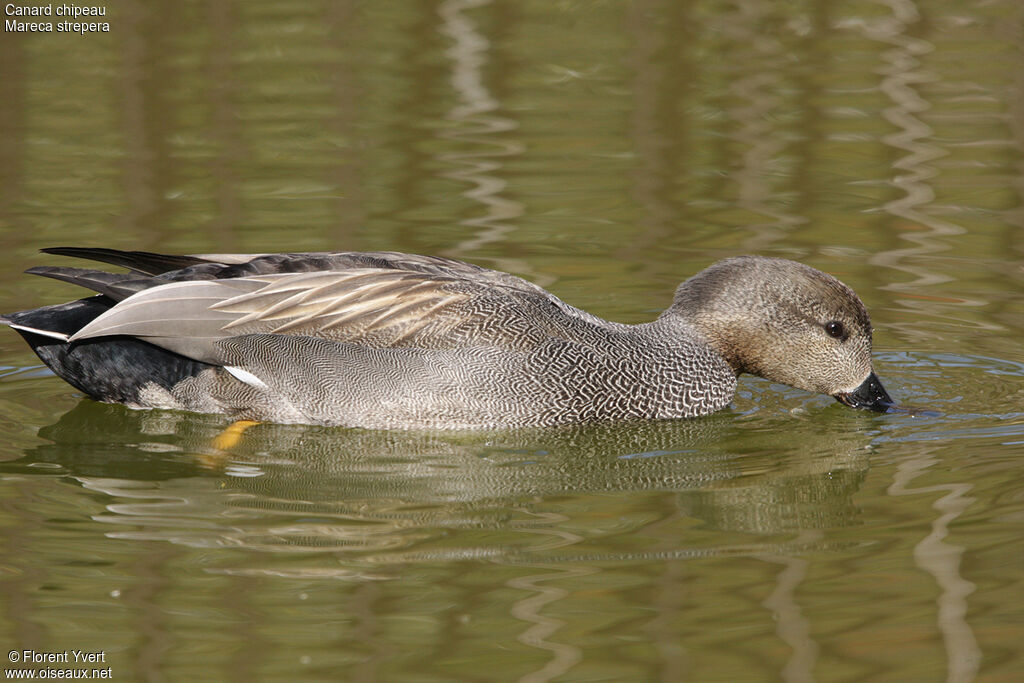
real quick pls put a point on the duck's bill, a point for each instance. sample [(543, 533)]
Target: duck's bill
[(870, 395)]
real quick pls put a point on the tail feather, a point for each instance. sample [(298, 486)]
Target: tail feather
[(145, 262), (117, 286)]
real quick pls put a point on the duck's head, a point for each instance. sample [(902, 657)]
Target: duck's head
[(788, 323)]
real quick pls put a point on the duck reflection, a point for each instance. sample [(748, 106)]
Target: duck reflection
[(313, 488)]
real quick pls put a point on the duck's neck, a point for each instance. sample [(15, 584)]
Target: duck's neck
[(726, 339)]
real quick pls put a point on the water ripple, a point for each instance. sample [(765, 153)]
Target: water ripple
[(935, 555), (478, 129), (914, 138)]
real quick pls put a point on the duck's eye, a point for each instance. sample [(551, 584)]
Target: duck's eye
[(835, 329)]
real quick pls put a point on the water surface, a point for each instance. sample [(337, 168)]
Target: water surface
[(605, 151)]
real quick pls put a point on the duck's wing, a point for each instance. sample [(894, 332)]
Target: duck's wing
[(151, 269), (424, 303)]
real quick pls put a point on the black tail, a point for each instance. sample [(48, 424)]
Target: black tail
[(117, 286), (113, 369), (144, 262)]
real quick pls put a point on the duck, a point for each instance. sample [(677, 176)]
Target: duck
[(388, 340)]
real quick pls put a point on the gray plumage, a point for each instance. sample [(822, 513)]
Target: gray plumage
[(389, 340)]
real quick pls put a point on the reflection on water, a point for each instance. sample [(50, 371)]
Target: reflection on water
[(386, 502), (479, 128), (532, 607), (758, 94), (794, 629), (902, 75), (382, 486), (942, 560)]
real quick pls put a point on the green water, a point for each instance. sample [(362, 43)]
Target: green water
[(605, 150)]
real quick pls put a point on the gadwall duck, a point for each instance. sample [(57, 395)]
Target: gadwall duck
[(390, 340)]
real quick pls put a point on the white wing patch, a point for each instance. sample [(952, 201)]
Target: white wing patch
[(246, 376)]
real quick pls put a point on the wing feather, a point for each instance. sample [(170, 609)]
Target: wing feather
[(374, 307), (377, 299), (348, 305)]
